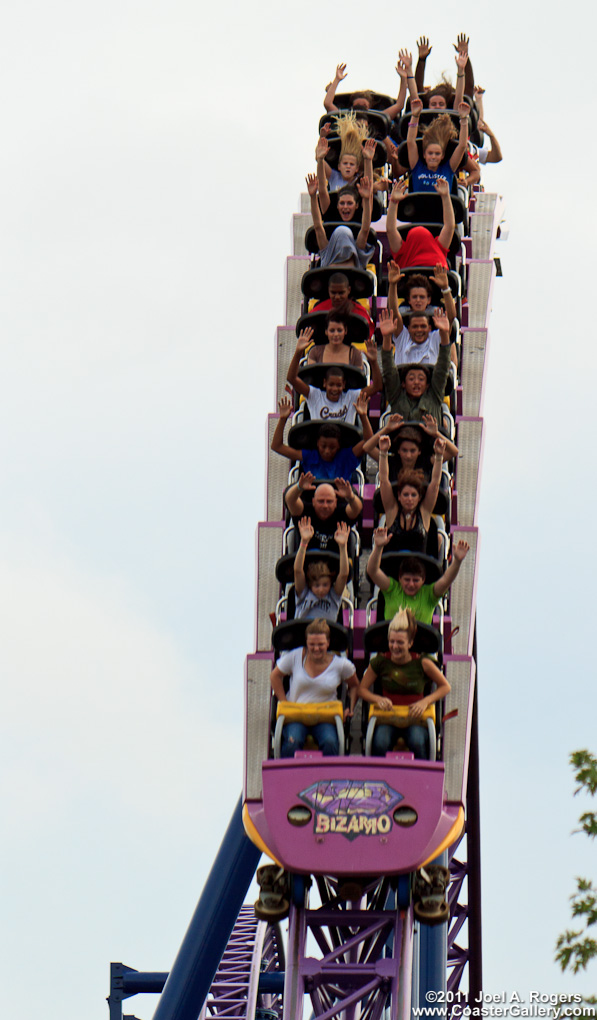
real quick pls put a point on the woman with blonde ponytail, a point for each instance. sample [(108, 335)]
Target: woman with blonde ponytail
[(403, 679)]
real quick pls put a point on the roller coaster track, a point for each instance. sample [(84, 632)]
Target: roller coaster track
[(367, 960)]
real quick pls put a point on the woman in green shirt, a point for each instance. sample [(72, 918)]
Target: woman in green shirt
[(403, 680)]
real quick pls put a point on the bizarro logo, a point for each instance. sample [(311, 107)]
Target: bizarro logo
[(352, 807)]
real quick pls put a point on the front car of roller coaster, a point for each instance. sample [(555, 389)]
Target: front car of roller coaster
[(375, 861)]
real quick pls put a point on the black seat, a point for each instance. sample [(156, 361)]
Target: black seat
[(426, 207), (311, 239), (379, 123), (390, 564), (441, 504), (291, 634), (358, 330), (315, 282), (314, 375), (285, 565), (428, 640), (303, 436)]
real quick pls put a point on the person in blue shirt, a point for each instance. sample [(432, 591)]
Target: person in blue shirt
[(434, 165), (329, 460)]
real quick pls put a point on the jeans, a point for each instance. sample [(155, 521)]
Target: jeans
[(415, 737), (294, 736)]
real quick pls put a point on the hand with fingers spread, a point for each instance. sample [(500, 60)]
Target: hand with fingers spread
[(399, 190), (440, 276), (306, 482), (362, 403), (369, 147), (423, 47), (429, 425), (406, 60), (306, 530), (285, 406), (395, 422), (381, 537), (322, 148), (388, 324), (341, 72), (371, 351), (441, 186), (460, 550), (461, 62), (461, 44), (440, 320), (394, 272), (325, 129), (304, 339), (416, 108), (344, 489), (342, 533), (479, 91), (364, 187), (311, 182)]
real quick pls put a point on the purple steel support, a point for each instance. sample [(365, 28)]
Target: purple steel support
[(465, 910), (254, 947), (365, 956)]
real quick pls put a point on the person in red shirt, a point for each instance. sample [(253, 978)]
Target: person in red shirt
[(420, 248)]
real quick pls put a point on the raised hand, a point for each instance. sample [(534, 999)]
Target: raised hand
[(371, 352), (306, 481), (416, 107), (364, 187), (406, 59), (440, 276), (402, 70), (440, 320), (479, 91), (441, 186), (304, 339), (342, 533), (461, 44), (439, 447), (341, 72), (424, 47), (394, 273), (343, 488), (306, 529), (322, 148), (429, 425), (325, 129), (311, 182), (399, 190), (381, 537), (369, 148), (384, 444), (461, 60), (285, 406), (463, 110), (362, 402), (388, 324), (395, 421), (461, 550)]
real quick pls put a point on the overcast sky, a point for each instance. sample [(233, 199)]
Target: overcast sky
[(153, 156)]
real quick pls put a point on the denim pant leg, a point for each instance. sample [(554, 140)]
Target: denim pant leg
[(327, 738), (294, 735), (384, 738), (417, 740)]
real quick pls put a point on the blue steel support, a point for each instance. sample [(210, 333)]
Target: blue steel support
[(202, 948), (433, 954)]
